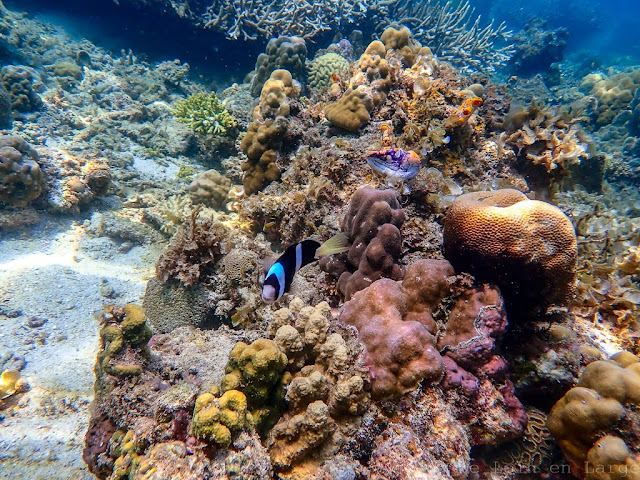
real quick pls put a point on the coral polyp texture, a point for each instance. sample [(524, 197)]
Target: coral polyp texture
[(265, 135), (21, 179), (372, 225), (595, 423), (204, 114), (527, 247)]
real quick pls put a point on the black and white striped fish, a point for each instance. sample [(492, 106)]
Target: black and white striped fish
[(280, 275)]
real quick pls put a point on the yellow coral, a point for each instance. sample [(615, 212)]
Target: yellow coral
[(215, 419)]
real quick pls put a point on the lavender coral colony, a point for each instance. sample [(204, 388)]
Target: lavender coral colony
[(371, 259)]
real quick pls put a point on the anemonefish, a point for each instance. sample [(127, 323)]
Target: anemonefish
[(279, 277)]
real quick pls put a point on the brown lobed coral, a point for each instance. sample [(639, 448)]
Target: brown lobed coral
[(372, 225), (526, 247), (21, 179), (265, 134)]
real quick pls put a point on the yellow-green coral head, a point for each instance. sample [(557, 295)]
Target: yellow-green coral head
[(204, 114)]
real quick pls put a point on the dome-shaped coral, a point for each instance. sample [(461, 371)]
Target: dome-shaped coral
[(526, 247)]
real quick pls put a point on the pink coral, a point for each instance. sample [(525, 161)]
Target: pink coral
[(399, 354)]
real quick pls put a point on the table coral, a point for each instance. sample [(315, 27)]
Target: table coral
[(526, 247), (21, 179)]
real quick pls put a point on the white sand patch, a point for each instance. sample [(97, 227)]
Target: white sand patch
[(60, 275)]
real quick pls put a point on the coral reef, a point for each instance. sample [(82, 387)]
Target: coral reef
[(282, 53), (193, 251), (595, 423), (5, 107), (205, 114), (322, 68), (125, 334), (453, 33), (216, 418), (400, 349), (171, 306), (327, 393), (537, 48), (306, 19), (210, 188), (526, 247), (372, 225), (18, 81), (551, 147), (258, 371), (21, 179), (368, 89), (265, 135)]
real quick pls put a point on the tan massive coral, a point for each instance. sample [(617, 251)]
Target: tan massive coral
[(595, 423), (526, 247), (264, 137)]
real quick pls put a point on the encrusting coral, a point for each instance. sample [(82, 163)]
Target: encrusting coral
[(204, 114), (258, 370), (526, 247), (216, 418), (125, 328)]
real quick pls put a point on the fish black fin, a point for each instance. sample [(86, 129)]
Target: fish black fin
[(336, 244)]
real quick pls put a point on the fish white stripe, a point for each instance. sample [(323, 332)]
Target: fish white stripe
[(278, 271), (298, 257)]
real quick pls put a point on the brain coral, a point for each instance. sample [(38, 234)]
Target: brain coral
[(321, 69), (526, 247)]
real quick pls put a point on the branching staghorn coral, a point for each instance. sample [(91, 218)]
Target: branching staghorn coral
[(452, 33), (252, 19)]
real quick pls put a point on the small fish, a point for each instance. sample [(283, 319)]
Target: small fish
[(280, 275), (395, 164)]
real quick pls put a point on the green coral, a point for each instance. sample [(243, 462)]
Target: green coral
[(321, 70), (216, 419), (258, 370), (205, 114)]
